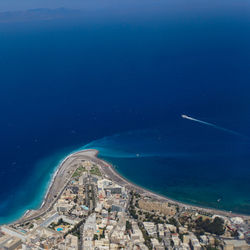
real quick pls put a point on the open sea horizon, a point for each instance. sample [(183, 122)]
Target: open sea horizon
[(118, 80)]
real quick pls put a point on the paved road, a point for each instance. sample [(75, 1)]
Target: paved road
[(60, 182)]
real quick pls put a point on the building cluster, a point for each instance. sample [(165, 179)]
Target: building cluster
[(95, 212)]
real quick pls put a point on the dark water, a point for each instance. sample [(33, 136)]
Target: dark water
[(127, 77)]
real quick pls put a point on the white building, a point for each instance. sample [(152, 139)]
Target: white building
[(150, 228)]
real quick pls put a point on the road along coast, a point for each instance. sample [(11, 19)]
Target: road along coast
[(58, 184), (67, 168)]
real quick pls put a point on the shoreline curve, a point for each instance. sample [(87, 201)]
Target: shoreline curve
[(67, 167)]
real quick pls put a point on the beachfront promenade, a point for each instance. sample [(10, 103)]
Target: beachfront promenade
[(67, 168), (59, 183)]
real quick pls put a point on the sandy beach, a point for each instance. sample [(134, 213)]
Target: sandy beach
[(68, 166)]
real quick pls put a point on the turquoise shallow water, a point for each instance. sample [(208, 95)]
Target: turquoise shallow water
[(148, 159), (175, 169), (157, 174), (37, 186)]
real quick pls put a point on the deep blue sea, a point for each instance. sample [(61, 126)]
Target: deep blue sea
[(119, 79)]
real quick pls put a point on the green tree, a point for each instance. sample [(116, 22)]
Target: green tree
[(128, 225)]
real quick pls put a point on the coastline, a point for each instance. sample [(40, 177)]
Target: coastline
[(53, 178), (67, 167), (58, 183), (161, 197)]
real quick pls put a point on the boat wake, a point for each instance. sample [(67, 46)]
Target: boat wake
[(211, 125)]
